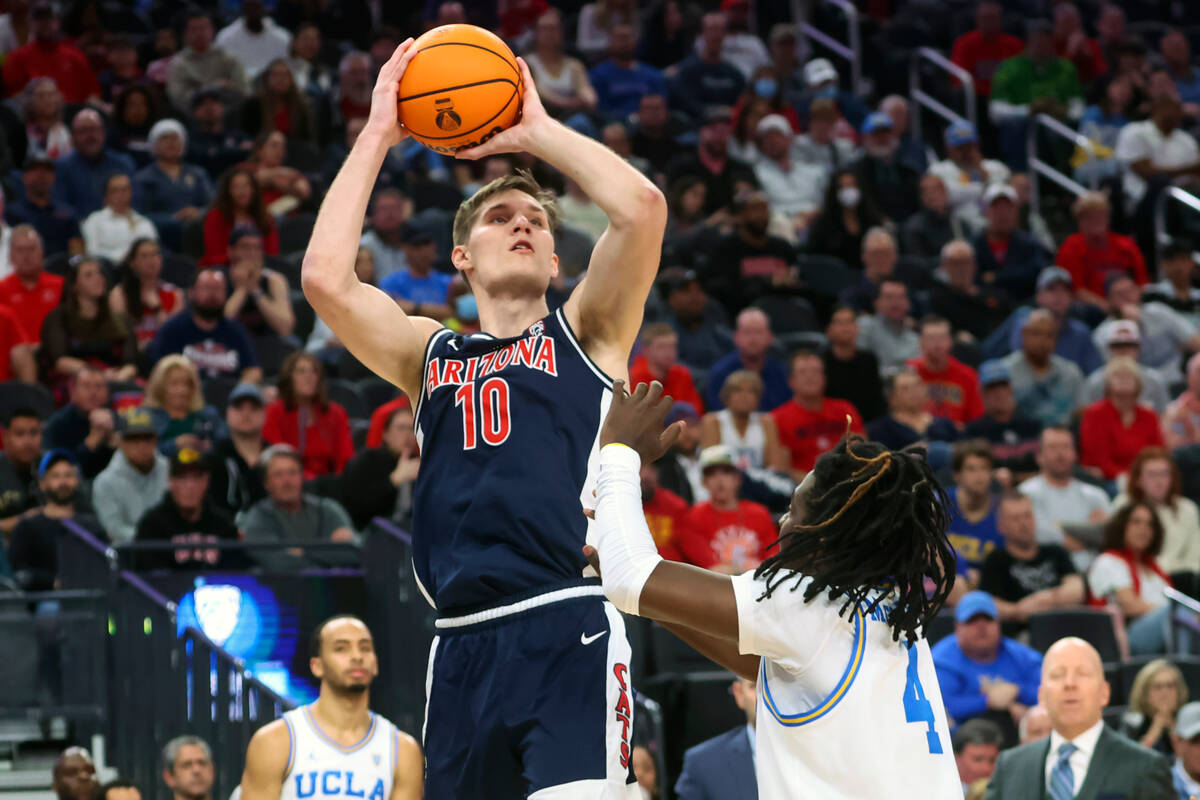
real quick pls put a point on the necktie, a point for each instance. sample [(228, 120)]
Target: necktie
[(1062, 778)]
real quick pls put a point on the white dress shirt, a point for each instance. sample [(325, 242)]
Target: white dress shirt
[(1081, 758)]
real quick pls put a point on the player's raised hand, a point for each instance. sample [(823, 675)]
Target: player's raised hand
[(384, 119), (520, 137), (636, 420)]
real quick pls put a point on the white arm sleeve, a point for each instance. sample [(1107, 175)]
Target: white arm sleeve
[(627, 551)]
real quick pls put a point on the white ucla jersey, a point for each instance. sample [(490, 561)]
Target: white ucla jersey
[(321, 769), (844, 712)]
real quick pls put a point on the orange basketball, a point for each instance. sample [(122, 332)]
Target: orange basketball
[(460, 89)]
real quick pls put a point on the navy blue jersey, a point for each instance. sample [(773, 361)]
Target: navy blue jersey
[(509, 432)]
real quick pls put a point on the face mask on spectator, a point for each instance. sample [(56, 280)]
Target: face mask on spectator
[(466, 307), (765, 87), (849, 196)]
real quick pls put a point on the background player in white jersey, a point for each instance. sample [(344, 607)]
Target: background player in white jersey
[(335, 747), (830, 625)]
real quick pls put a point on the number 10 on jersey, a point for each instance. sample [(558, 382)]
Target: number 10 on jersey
[(485, 415)]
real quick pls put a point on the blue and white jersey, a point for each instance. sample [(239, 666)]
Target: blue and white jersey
[(509, 432), (321, 769)]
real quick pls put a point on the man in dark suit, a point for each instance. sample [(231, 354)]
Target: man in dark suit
[(1082, 758), (723, 767), (1008, 259)]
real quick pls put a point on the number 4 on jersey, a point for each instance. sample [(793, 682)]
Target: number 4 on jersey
[(917, 707), (492, 421)]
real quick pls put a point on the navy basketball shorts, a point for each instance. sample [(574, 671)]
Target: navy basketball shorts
[(532, 700)]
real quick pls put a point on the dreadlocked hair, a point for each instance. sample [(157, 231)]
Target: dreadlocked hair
[(871, 528)]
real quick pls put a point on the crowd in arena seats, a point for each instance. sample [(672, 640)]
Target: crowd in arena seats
[(824, 270)]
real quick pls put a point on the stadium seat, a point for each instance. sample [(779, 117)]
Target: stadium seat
[(273, 350), (178, 269), (1187, 582), (294, 232), (1112, 716), (1091, 625), (788, 314), (826, 275), (359, 429), (306, 318), (192, 238), (217, 391), (346, 394), (376, 391), (671, 656), (289, 266), (57, 264), (1112, 674), (14, 394), (802, 340), (940, 626)]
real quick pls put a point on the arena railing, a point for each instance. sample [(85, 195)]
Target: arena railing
[(1178, 195), (921, 99), (1040, 167), (850, 50), (1183, 618)]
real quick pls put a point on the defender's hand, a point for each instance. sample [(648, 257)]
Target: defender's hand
[(636, 420), (515, 139), (384, 118)]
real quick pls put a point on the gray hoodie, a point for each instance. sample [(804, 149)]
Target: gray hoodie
[(122, 493)]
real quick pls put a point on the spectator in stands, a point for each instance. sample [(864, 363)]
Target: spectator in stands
[(135, 111), (306, 419), (260, 298), (236, 480), (622, 80), (749, 261), (1177, 265), (750, 435), (655, 131), (215, 345), (81, 183), (976, 744), (1081, 750), (909, 420), (18, 467), (879, 263), (881, 173), (851, 373), (1034, 725), (1008, 258), (1115, 429), (659, 361), (84, 330), (723, 533), (5, 238), (16, 352), (792, 187), (953, 386), (705, 78), (142, 295), (378, 482), (981, 51), (666, 513), (1074, 338), (169, 191), (390, 210), (724, 176), (74, 775), (562, 81), (1071, 43), (888, 332), (1154, 479), (822, 80), (723, 766), (1186, 741), (1177, 57), (931, 227), (973, 530), (48, 55), (1023, 576), (1059, 498), (186, 517), (1012, 435), (119, 789), (596, 20), (56, 224), (1127, 575), (33, 546), (278, 105), (984, 674), (212, 144), (1124, 341), (967, 175), (699, 322), (1154, 153), (292, 518), (1156, 697), (239, 201), (752, 339), (176, 404), (1095, 252), (1165, 334), (910, 151), (845, 217), (743, 49), (417, 287), (134, 480), (110, 231), (284, 188), (85, 426), (1181, 421), (1045, 384), (1102, 123), (188, 769), (679, 469), (29, 292), (314, 78), (201, 64), (254, 39), (811, 423), (819, 145), (974, 311), (46, 133)]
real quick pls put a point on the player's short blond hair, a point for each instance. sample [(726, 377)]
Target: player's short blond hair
[(522, 181)]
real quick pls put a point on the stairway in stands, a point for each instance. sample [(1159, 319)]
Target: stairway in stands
[(27, 756)]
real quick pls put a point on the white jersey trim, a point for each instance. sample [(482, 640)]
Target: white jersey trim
[(433, 340), (834, 697), (312, 723), (570, 334), (291, 762), (522, 605)]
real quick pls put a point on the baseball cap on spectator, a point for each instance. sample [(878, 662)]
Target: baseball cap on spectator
[(877, 121), (683, 411), (773, 122), (162, 128), (207, 93), (245, 391), (1052, 275), (1187, 721), (714, 114), (1123, 331), (35, 160), (672, 279), (973, 604), (998, 190), (993, 372), (818, 71), (54, 456), (961, 133), (240, 232), (714, 457), (186, 460), (415, 235), (136, 422), (1113, 278)]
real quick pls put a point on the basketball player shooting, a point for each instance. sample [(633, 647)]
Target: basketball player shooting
[(335, 747), (849, 705), (529, 690)]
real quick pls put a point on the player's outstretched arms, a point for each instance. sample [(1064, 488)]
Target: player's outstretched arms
[(266, 762), (696, 604), (408, 781), (365, 319)]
